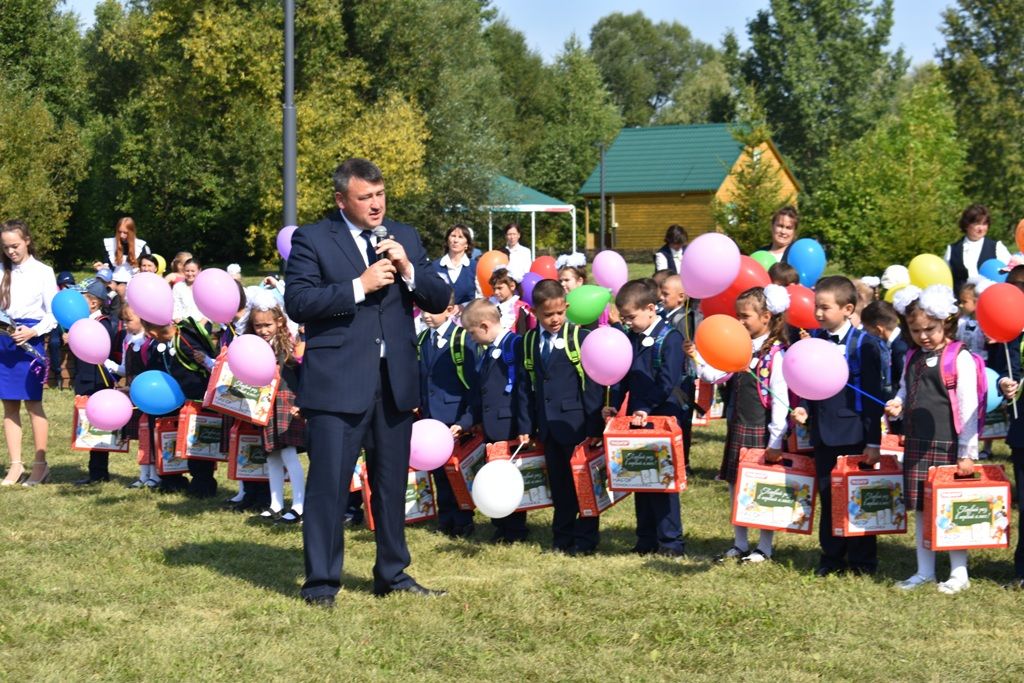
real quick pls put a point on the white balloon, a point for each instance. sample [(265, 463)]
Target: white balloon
[(498, 488)]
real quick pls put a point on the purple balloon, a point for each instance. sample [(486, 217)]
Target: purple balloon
[(431, 445), (530, 281), (710, 264), (216, 295), (89, 341), (284, 241), (610, 270), (606, 355), (815, 369), (108, 409)]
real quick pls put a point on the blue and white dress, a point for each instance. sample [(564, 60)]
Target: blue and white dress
[(33, 286)]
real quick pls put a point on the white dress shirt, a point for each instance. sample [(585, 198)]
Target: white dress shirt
[(520, 259), (33, 286), (185, 303), (661, 263), (972, 252)]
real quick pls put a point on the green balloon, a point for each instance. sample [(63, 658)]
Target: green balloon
[(586, 303), (765, 258)]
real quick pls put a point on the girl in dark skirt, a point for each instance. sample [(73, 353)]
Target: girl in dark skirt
[(131, 340), (26, 290), (930, 324), (760, 401), (285, 434)]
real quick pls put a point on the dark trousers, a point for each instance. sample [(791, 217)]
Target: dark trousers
[(334, 441), (511, 528), (857, 553), (1018, 479), (568, 529), (99, 464), (658, 522), (449, 515)]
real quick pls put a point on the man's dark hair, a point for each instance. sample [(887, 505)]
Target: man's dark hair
[(364, 169)]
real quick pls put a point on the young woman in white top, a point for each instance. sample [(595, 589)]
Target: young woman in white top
[(520, 258), (123, 249), (26, 290), (184, 301)]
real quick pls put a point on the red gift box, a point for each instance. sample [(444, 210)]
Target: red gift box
[(779, 497), (799, 438), (469, 455), (199, 433), (357, 481), (892, 445), (165, 438), (145, 456), (590, 477), (533, 466), (966, 513), (228, 395), (646, 460), (868, 501), (247, 459), (420, 500), (85, 437)]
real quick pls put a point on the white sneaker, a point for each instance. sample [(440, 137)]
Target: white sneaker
[(914, 581), (954, 586)]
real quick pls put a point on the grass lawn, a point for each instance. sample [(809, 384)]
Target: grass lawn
[(110, 583)]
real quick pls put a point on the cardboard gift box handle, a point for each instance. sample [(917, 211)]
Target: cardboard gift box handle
[(858, 463), (646, 425)]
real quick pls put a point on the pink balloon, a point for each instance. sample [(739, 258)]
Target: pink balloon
[(606, 355), (252, 360), (216, 295), (150, 297), (431, 445), (610, 270), (108, 409), (815, 369), (710, 264), (89, 341), (284, 241)]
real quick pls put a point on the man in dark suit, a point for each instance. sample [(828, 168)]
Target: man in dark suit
[(354, 291)]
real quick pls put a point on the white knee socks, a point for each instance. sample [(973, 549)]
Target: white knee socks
[(740, 537), (277, 461), (958, 566), (925, 557), (275, 472)]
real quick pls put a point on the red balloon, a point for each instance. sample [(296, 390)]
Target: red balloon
[(1001, 312), (801, 308), (545, 267), (719, 304), (752, 274)]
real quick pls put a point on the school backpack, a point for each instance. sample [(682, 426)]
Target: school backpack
[(457, 350), (572, 351), (947, 368)]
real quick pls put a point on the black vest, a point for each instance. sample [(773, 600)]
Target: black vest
[(956, 260)]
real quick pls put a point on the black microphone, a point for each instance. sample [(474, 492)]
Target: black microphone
[(381, 233)]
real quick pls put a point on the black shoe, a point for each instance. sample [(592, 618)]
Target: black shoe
[(321, 601), (822, 572), (863, 571), (463, 531), (581, 552), (414, 589), (637, 550), (672, 552), (90, 480), (1015, 585), (289, 516), (267, 515)]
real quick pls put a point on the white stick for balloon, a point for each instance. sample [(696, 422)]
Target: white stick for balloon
[(512, 458), (1009, 372)]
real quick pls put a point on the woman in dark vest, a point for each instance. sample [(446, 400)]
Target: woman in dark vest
[(964, 256), (670, 256), (456, 267)]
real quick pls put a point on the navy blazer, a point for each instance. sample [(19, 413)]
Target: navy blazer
[(835, 421), (442, 396), (503, 416), (192, 382), (464, 285), (897, 359), (997, 361), (343, 338), (654, 391), (562, 409), (88, 379)]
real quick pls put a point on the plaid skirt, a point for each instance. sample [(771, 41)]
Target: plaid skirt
[(918, 456), (284, 429), (740, 436), (131, 430)]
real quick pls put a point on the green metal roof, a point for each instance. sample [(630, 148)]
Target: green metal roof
[(506, 192), (666, 159)]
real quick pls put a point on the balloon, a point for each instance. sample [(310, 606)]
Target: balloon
[(1000, 312), (929, 269), (765, 258), (431, 445), (68, 307), (751, 275), (1019, 235), (485, 267), (586, 303), (284, 240), (216, 295), (990, 269), (252, 360), (607, 355), (150, 297), (156, 393), (815, 369), (108, 409), (801, 308), (530, 281), (994, 397), (89, 341), (610, 270), (719, 304), (161, 263), (724, 343), (710, 264), (807, 256), (498, 488), (890, 293), (545, 267)]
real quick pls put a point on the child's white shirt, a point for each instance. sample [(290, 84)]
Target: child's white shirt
[(507, 311)]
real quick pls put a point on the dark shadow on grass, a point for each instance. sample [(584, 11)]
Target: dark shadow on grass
[(680, 567), (177, 503)]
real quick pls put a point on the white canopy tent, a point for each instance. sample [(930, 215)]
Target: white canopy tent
[(508, 196)]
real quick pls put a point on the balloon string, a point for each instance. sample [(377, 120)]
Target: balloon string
[(769, 390), (866, 394), (512, 458), (1009, 372), (608, 396), (686, 320)]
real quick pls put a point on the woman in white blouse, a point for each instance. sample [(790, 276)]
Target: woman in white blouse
[(966, 255), (184, 301), (123, 249), (520, 258), (26, 290)]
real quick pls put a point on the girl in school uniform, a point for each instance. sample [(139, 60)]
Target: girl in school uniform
[(26, 290), (930, 325), (760, 402)]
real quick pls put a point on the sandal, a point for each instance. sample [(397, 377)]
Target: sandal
[(41, 479), (289, 517), (733, 553), (9, 480)]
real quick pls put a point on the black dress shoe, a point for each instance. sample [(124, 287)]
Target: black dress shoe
[(90, 480), (822, 572), (321, 601), (414, 589)]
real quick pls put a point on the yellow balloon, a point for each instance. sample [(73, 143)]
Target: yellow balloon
[(929, 269), (890, 293)]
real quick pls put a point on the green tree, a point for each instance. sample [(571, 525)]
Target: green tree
[(983, 65), (823, 72), (894, 193), (705, 97)]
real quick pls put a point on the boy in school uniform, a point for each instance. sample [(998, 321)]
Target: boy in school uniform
[(653, 387), (685, 319), (88, 379), (566, 411), (880, 319), (847, 423), (500, 396), (447, 365)]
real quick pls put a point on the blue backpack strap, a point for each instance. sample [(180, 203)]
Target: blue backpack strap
[(853, 361), (508, 354)]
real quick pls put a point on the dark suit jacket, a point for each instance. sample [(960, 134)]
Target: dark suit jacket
[(836, 422), (997, 361), (562, 409), (442, 396), (654, 391), (343, 338), (503, 416)]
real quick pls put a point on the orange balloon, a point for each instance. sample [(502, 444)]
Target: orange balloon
[(1020, 235), (724, 343), (485, 266), (545, 267)]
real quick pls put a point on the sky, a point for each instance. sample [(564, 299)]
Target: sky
[(547, 24)]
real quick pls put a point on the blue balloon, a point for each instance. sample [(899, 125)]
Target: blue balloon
[(156, 393), (807, 256), (69, 306), (994, 398), (990, 269)]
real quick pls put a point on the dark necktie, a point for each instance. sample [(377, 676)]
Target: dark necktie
[(431, 351), (545, 347), (371, 253), (835, 338)]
